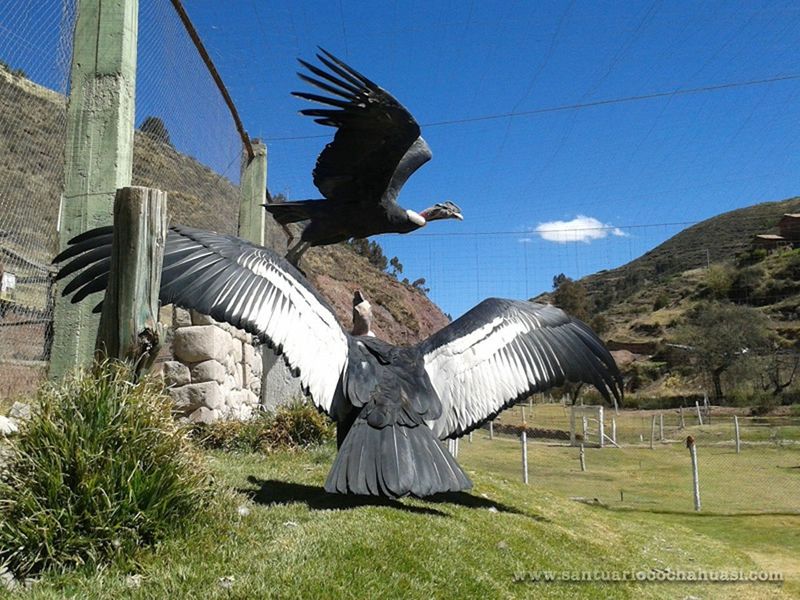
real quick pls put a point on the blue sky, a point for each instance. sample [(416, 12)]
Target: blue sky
[(648, 164), (638, 170)]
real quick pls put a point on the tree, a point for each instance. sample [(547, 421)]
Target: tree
[(371, 250), (571, 297), (397, 266), (155, 128), (720, 333), (420, 285), (780, 366)]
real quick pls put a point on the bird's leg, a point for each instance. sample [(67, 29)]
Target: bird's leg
[(289, 235), (296, 252)]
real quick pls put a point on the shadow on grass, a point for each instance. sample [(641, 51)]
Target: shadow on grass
[(270, 491)]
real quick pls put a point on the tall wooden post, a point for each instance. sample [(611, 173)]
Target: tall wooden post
[(129, 323), (523, 438), (695, 473), (601, 425), (253, 193), (652, 431), (99, 151), (736, 431)]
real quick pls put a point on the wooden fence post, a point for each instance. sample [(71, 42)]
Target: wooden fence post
[(470, 437), (601, 426), (614, 430), (253, 193), (683, 423), (695, 475), (736, 431), (129, 322), (652, 431), (661, 427), (706, 408), (491, 430), (583, 458), (699, 415), (572, 426), (524, 439), (98, 156)]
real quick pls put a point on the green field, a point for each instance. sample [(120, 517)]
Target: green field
[(297, 542)]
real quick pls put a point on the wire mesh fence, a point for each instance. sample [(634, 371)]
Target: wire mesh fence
[(35, 50), (185, 143)]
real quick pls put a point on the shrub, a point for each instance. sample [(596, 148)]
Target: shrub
[(100, 470), (294, 425), (661, 301)]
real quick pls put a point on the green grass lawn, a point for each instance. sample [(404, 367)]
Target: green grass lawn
[(297, 542)]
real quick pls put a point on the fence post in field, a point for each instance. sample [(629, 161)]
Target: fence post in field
[(98, 156), (706, 408), (491, 430), (736, 431), (253, 193), (583, 458), (652, 431), (524, 439), (572, 426), (129, 328), (683, 423), (522, 409), (470, 437), (601, 426), (661, 427), (614, 430), (695, 475), (699, 414)]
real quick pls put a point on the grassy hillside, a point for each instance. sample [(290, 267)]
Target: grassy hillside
[(717, 239), (281, 536)]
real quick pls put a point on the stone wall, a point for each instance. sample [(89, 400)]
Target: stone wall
[(213, 370)]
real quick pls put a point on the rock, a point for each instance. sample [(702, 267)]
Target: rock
[(201, 319), (165, 315), (175, 373), (201, 342), (181, 317), (249, 353), (189, 398), (237, 351), (8, 426), (204, 415), (208, 370), (20, 411)]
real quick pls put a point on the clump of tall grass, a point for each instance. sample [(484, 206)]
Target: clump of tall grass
[(291, 426), (99, 471)]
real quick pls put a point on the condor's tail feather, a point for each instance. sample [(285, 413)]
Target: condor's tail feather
[(292, 212), (394, 461)]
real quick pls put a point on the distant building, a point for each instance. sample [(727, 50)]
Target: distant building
[(787, 238), (789, 228)]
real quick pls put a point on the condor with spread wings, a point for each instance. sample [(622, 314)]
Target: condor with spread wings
[(392, 405)]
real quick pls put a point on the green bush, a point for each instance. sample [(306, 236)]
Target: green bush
[(100, 470), (294, 425)]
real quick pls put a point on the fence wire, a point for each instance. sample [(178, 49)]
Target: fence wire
[(186, 141), (762, 476), (35, 52)]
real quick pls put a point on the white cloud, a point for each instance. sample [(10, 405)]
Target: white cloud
[(580, 229)]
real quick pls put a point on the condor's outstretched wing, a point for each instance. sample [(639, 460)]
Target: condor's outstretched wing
[(377, 145), (504, 350), (237, 282)]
